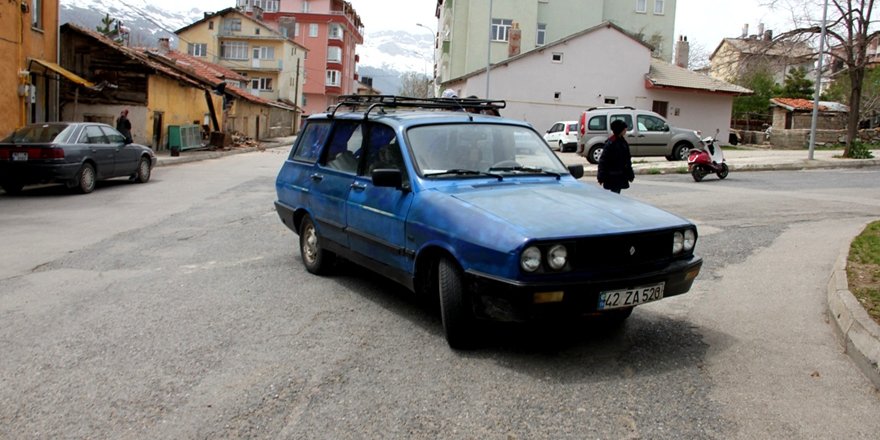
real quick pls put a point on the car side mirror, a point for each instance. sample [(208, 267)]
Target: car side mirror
[(665, 127), (387, 178), (577, 171)]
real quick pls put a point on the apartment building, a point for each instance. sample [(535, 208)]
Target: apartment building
[(465, 40), (272, 62), (330, 30)]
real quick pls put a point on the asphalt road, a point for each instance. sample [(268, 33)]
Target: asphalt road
[(180, 309)]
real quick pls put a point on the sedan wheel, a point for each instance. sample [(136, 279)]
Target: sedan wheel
[(144, 171), (86, 179), (12, 188), (455, 309), (561, 147), (316, 259)]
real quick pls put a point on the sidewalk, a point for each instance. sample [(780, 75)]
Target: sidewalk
[(859, 334)]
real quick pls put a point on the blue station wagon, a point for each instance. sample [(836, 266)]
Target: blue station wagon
[(475, 210)]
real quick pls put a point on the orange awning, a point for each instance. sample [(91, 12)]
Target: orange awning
[(64, 72)]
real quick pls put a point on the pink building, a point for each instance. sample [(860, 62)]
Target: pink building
[(330, 30)]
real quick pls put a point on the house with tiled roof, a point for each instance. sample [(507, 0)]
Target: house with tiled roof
[(602, 65), (796, 113), (735, 56)]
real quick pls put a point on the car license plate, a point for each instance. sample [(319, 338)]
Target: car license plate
[(613, 299), (19, 155)]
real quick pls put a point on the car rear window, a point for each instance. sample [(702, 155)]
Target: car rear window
[(39, 134), (597, 123)]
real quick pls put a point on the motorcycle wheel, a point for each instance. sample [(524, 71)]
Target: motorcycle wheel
[(723, 172), (698, 174)]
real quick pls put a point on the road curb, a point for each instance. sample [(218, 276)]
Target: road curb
[(206, 155), (856, 331)]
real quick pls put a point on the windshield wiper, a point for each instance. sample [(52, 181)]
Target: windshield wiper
[(464, 172), (522, 169)]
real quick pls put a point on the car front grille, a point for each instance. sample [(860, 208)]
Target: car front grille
[(621, 250)]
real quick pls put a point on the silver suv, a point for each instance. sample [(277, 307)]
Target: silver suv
[(650, 135)]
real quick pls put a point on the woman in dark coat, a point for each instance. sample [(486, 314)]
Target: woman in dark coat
[(615, 164)]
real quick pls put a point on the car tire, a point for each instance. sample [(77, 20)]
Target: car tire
[(561, 147), (680, 152), (85, 179), (144, 171), (455, 310), (12, 188), (595, 153), (316, 259)]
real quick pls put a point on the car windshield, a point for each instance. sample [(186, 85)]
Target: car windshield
[(39, 133), (470, 149)]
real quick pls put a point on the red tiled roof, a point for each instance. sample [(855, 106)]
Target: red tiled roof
[(794, 104), (211, 72)]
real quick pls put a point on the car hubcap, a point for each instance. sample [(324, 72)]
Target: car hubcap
[(88, 178), (145, 169), (310, 250), (597, 153)]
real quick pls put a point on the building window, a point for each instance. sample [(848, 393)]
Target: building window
[(542, 35), (658, 7), (313, 29), (211, 25), (501, 29), (333, 78), (306, 7), (335, 32), (262, 84), (197, 49), (266, 5), (264, 53), (37, 13), (296, 29), (611, 100), (234, 50), (660, 107), (557, 57), (257, 31), (334, 54), (642, 6), (557, 95), (232, 25)]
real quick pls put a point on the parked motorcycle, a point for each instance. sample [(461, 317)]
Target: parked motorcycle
[(707, 159)]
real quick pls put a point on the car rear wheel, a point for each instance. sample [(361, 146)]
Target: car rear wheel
[(595, 153), (316, 259), (144, 171), (680, 152), (455, 309), (85, 179), (12, 188)]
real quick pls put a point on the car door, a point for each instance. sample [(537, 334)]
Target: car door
[(653, 135), (333, 177), (377, 215), (96, 146), (553, 134), (125, 157), (294, 181)]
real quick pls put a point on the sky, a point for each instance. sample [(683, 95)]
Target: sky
[(704, 22)]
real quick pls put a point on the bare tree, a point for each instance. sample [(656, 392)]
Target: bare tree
[(849, 34), (415, 85)]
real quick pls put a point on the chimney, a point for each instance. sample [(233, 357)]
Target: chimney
[(682, 52), (745, 32), (768, 35), (515, 40), (164, 45), (760, 28)]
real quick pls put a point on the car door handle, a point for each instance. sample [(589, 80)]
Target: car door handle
[(358, 186), (641, 136), (316, 177)]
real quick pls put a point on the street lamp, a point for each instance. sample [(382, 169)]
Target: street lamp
[(433, 55)]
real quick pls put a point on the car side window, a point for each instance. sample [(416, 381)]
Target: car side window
[(312, 138), (597, 123), (344, 149), (383, 150), (113, 136), (92, 135), (625, 118), (650, 123)]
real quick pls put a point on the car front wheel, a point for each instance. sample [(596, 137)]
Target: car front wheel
[(594, 154), (144, 171), (680, 152), (455, 309), (316, 259)]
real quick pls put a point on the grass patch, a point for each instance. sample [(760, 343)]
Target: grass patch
[(863, 269), (681, 170), (654, 171)]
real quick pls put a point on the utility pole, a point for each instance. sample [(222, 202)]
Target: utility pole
[(489, 51), (818, 84)]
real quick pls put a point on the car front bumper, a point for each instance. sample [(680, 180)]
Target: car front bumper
[(507, 300)]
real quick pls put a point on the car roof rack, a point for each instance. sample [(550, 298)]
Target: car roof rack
[(370, 102), (622, 107)]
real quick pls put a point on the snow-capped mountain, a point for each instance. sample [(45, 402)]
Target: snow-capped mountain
[(385, 55)]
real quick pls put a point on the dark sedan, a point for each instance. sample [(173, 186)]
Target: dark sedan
[(77, 154)]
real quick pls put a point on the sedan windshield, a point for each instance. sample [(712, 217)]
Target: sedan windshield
[(39, 134), (481, 150)]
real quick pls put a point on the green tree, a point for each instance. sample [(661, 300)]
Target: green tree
[(797, 85), (839, 91), (110, 28), (761, 82)]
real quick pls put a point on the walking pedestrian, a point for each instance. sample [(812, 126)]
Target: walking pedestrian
[(123, 125), (615, 163)]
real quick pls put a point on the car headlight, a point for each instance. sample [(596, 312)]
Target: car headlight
[(677, 242), (530, 259), (557, 257), (690, 239)]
